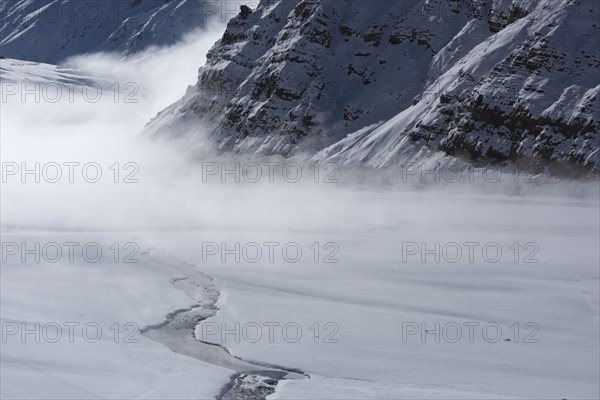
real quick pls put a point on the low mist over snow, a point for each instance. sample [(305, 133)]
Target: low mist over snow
[(274, 225)]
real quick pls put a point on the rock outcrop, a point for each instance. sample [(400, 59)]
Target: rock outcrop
[(386, 82)]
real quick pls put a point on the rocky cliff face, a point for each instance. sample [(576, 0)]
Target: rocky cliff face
[(386, 82), (52, 30)]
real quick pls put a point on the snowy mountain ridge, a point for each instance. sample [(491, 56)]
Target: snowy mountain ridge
[(17, 72), (50, 31), (387, 82)]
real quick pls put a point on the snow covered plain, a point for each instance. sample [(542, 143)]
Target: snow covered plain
[(88, 316), (367, 305), (361, 312), (371, 292)]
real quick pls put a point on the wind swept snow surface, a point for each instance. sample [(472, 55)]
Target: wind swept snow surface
[(87, 318), (375, 321), (160, 267), (382, 324)]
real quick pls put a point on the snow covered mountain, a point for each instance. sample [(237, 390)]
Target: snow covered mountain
[(386, 82), (51, 30), (31, 73)]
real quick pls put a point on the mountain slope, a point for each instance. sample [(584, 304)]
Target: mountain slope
[(528, 95), (16, 72), (384, 82), (51, 30), (314, 70)]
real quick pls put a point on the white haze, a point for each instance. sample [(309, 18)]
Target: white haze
[(369, 293), (171, 191)]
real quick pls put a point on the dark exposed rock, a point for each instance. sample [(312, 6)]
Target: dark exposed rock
[(245, 11), (325, 70)]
